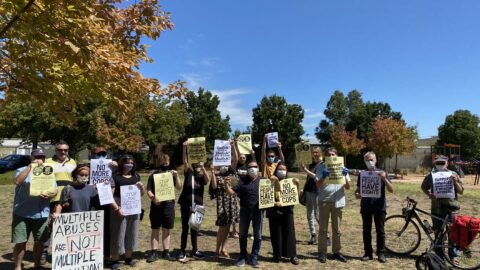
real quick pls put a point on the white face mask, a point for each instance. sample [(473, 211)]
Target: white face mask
[(223, 169), (281, 174), (440, 167), (82, 179), (370, 164), (252, 172)]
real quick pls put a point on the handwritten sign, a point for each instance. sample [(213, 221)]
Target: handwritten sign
[(272, 139), (130, 200), (164, 188), (100, 171), (244, 144), (288, 192), (335, 166), (222, 153), (42, 179), (105, 193), (443, 185), (303, 153), (196, 150), (77, 241), (370, 184), (266, 194)]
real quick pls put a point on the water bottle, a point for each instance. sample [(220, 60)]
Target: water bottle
[(427, 226)]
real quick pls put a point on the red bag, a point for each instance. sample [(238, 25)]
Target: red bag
[(464, 230)]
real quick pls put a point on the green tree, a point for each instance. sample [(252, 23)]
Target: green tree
[(461, 127), (205, 118), (273, 113)]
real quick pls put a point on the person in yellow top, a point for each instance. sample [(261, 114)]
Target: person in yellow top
[(63, 168), (268, 159)]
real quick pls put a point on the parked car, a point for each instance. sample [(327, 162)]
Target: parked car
[(13, 162)]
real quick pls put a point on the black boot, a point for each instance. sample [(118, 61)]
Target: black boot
[(312, 240)]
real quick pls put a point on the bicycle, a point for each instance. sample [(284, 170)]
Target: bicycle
[(403, 236)]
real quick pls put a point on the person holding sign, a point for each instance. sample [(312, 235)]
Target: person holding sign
[(227, 205), (123, 228), (311, 192), (191, 189), (247, 190), (30, 213), (331, 200), (281, 220), (442, 186), (162, 213), (371, 185), (269, 160)]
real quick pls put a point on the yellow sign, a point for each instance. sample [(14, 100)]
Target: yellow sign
[(244, 143), (42, 179), (196, 150), (303, 153), (288, 192), (164, 188), (266, 194), (335, 166)]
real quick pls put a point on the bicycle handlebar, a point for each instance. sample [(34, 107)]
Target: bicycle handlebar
[(410, 200)]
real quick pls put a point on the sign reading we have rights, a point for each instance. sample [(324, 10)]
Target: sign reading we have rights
[(288, 192), (196, 150), (370, 184), (335, 166), (164, 188), (244, 143), (42, 179), (77, 241), (266, 194)]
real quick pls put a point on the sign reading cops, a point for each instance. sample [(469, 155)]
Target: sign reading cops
[(288, 192), (100, 171)]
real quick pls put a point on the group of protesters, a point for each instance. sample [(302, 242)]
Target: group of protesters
[(236, 191)]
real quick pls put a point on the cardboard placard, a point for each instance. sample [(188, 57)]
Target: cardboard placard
[(335, 166), (196, 150), (272, 139), (370, 184), (222, 153), (105, 193), (42, 179), (303, 153), (244, 144), (164, 187), (130, 200), (266, 194), (442, 185), (288, 192), (100, 171)]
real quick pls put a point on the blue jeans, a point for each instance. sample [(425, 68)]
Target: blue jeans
[(248, 215)]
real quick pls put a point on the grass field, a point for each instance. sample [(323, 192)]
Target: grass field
[(352, 246)]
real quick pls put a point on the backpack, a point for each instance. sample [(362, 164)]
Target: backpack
[(430, 261), (464, 230)]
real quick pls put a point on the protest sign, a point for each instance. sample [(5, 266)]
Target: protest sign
[(334, 166), (370, 184), (266, 196), (77, 241), (288, 192), (100, 171), (222, 153), (303, 153), (42, 179), (164, 188), (130, 200), (244, 144), (272, 139), (196, 150), (443, 185), (105, 193)]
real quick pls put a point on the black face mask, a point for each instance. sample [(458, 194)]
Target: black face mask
[(164, 168)]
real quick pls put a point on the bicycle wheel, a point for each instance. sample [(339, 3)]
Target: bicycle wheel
[(401, 239), (468, 258)]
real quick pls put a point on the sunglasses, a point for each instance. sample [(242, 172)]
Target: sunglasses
[(62, 150), (270, 156)]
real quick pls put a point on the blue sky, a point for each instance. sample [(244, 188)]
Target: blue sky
[(422, 57)]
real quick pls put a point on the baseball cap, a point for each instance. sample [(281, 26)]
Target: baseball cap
[(100, 149), (37, 152), (441, 158)]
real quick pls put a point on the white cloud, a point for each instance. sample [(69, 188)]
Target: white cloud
[(314, 115), (208, 62), (231, 104), (194, 80)]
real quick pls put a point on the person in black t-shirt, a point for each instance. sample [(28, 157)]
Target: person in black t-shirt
[(162, 214), (200, 180)]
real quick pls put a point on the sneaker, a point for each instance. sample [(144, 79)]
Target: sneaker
[(295, 260), (153, 256), (366, 257), (198, 255), (241, 262), (251, 237), (130, 262), (312, 240), (254, 263), (381, 258), (338, 256), (115, 265), (167, 256), (322, 258), (182, 257)]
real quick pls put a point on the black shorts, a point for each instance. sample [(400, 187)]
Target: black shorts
[(162, 215)]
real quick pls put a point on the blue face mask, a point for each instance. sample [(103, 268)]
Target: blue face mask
[(128, 166), (271, 159)]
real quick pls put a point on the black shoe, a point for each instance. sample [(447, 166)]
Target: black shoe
[(167, 256), (153, 256), (199, 255), (115, 265), (182, 257), (339, 257), (295, 260), (43, 259), (322, 258), (312, 240), (130, 262), (381, 258), (367, 257), (276, 259)]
